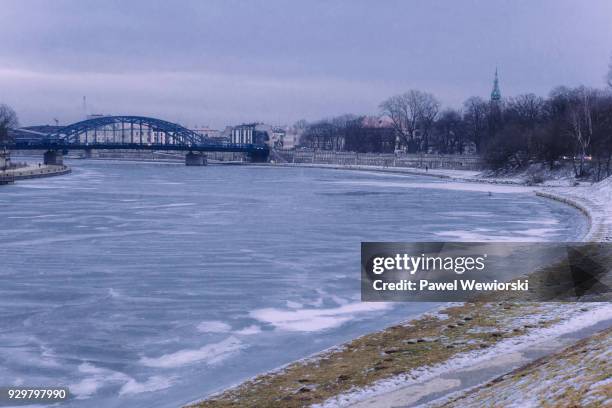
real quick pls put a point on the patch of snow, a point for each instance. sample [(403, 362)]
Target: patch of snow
[(209, 354), (250, 330), (573, 320), (154, 383), (313, 320), (595, 201), (213, 326)]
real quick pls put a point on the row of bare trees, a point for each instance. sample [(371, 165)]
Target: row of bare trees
[(574, 124), (412, 121), (362, 134), (571, 124)]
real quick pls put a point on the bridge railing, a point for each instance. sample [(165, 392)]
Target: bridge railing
[(59, 143)]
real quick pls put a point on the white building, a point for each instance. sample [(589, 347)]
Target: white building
[(291, 140), (243, 134), (259, 133), (206, 131), (277, 138)]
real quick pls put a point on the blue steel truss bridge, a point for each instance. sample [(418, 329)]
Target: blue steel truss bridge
[(132, 133)]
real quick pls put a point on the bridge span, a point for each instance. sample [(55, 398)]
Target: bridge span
[(131, 133)]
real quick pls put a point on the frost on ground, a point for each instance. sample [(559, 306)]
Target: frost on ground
[(595, 201), (534, 327), (454, 338), (536, 174), (407, 353), (579, 376)]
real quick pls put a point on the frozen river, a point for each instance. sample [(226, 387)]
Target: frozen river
[(151, 285)]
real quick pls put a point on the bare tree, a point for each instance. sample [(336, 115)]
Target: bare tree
[(581, 122), (300, 125), (330, 134), (526, 109), (319, 135), (343, 125), (427, 107), (397, 108), (526, 112), (475, 116), (601, 141), (449, 132), (298, 130), (8, 120), (411, 112)]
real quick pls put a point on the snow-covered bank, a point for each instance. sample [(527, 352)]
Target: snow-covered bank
[(420, 354), (400, 390), (451, 174), (577, 376), (421, 359), (474, 176), (595, 201)]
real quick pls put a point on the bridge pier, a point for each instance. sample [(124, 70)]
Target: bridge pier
[(195, 159), (259, 156), (88, 153), (53, 157)]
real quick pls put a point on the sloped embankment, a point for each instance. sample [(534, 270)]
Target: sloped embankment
[(579, 376)]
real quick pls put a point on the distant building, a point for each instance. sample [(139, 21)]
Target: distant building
[(206, 131), (277, 137), (369, 135), (293, 135), (495, 118), (291, 139), (496, 93), (226, 134), (262, 134), (243, 134), (257, 133), (31, 134), (43, 129), (96, 116)]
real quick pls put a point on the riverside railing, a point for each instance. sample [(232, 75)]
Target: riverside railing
[(432, 161)]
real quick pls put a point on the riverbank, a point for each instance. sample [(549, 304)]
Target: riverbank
[(473, 176), (391, 367), (578, 376), (594, 200), (35, 171), (422, 359)]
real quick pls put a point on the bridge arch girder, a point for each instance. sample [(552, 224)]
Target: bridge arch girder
[(179, 134)]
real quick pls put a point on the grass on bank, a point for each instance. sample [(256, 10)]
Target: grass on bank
[(578, 376), (396, 350)]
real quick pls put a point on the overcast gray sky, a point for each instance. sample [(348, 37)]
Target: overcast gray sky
[(224, 62)]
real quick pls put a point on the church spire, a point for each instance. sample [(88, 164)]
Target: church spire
[(495, 93)]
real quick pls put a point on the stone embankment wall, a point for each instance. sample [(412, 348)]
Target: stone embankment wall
[(157, 156), (431, 161), (134, 155), (462, 162)]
